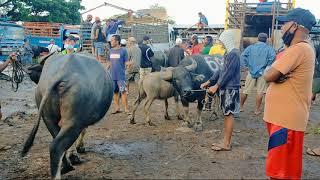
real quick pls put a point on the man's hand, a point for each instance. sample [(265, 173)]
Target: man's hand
[(213, 89), (129, 65), (12, 57), (108, 65), (205, 85)]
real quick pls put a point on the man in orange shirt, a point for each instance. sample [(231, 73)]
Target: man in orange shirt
[(288, 97), (196, 47)]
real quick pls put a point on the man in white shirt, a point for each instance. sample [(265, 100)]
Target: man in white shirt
[(52, 47)]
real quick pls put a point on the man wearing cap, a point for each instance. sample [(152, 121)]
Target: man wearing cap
[(176, 54), (256, 58), (146, 54), (53, 47), (288, 96), (69, 44)]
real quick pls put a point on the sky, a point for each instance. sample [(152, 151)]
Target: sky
[(183, 11)]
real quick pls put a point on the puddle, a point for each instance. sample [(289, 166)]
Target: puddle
[(122, 149)]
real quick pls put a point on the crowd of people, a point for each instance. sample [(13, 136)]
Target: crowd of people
[(286, 79)]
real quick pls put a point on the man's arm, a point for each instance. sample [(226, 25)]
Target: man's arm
[(96, 34), (181, 54), (244, 57), (272, 75), (230, 70), (282, 67), (7, 62), (150, 52), (271, 56)]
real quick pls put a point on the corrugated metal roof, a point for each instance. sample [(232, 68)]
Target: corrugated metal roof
[(185, 26)]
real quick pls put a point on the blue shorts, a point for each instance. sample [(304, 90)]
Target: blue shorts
[(119, 86), (100, 48)]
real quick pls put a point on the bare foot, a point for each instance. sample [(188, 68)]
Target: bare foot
[(220, 147), (241, 109), (257, 112), (313, 152)]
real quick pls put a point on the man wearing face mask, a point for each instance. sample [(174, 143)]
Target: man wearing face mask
[(69, 44), (288, 97), (36, 70)]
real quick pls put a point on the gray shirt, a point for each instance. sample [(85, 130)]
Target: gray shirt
[(176, 54), (93, 30), (134, 55)]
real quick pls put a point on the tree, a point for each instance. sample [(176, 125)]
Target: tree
[(63, 11)]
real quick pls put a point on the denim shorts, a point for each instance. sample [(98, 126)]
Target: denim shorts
[(119, 86), (100, 48)]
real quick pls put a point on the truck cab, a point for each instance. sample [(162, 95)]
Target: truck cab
[(11, 39)]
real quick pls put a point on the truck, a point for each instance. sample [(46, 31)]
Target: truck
[(40, 33), (11, 39), (161, 35), (247, 20), (138, 25)]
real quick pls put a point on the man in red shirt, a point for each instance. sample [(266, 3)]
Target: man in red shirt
[(196, 47)]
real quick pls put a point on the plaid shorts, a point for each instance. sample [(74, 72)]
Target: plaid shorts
[(230, 101)]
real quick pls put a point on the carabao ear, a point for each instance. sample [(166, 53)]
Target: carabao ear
[(198, 77)]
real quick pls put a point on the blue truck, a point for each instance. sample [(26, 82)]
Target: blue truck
[(11, 39), (40, 33)]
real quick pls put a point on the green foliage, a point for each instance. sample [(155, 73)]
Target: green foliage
[(63, 11)]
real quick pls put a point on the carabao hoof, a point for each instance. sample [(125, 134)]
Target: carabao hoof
[(186, 124), (167, 117), (151, 123), (75, 159), (180, 117), (198, 126), (132, 121), (66, 169), (81, 149)]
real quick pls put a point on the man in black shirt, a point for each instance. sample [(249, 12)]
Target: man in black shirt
[(176, 54), (146, 54)]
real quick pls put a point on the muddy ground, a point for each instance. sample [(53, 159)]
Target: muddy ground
[(116, 149)]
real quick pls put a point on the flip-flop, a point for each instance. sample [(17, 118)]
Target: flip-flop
[(217, 147), (116, 112), (313, 152)]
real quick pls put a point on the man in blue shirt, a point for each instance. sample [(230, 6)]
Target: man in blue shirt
[(203, 21), (118, 59), (256, 58)]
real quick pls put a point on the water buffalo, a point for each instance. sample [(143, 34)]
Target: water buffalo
[(74, 91), (187, 78), (154, 87), (159, 59)]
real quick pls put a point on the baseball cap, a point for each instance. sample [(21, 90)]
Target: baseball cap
[(123, 42), (262, 37), (71, 38), (178, 41), (146, 38), (301, 16)]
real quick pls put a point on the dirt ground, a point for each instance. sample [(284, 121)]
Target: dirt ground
[(117, 149)]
